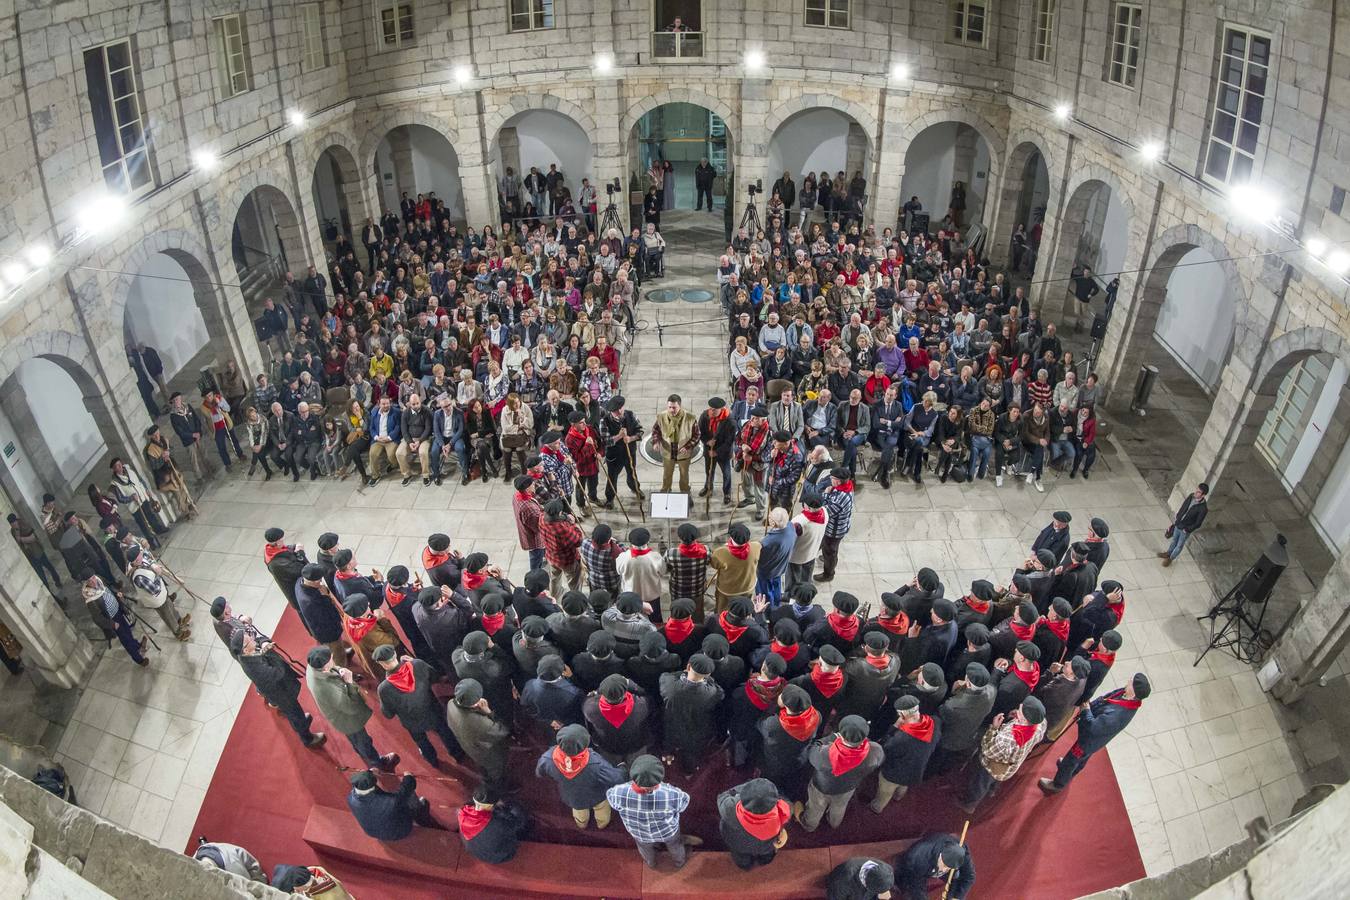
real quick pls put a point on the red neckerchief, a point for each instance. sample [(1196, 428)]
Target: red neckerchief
[(617, 713), (472, 820), (343, 575), (814, 515), (360, 626), (780, 459), (639, 789), (1117, 608), (431, 559), (270, 551), (844, 626), (740, 551), (1031, 678), (762, 693), (639, 551), (403, 677), (878, 662), (844, 758), (980, 606), (678, 630), (1023, 733), (1118, 698), (716, 417), (1059, 628), (570, 766), (845, 486), (694, 550), (753, 436), (1104, 657), (526, 496), (764, 826), (828, 683), (802, 725), (472, 581), (393, 596), (493, 623), (897, 624), (549, 451), (921, 730), (733, 632), (788, 653), (1023, 632)]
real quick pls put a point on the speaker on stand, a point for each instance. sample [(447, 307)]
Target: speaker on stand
[(1236, 621)]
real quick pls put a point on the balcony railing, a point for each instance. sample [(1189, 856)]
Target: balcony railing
[(677, 44)]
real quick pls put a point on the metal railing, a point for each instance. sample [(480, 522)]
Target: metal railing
[(677, 44)]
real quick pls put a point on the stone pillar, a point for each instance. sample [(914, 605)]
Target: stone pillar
[(400, 151), (301, 233), (752, 146), (34, 449), (855, 154), (508, 146), (607, 148), (222, 304), (889, 163), (476, 178), (963, 170), (1316, 637)]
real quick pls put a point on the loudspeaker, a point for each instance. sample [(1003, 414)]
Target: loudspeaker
[(918, 223), (1258, 583), (1099, 328)]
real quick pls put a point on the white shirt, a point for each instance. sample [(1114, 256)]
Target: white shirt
[(643, 575), (809, 536)]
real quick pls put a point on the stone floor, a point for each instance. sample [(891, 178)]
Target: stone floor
[(1207, 752)]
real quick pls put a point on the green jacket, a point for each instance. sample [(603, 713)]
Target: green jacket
[(341, 703)]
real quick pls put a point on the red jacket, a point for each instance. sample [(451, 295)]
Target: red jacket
[(584, 454), (609, 359)]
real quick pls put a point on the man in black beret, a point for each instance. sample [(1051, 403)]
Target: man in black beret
[(1100, 611), (484, 737), (691, 701), (687, 566), (479, 658), (533, 598), (826, 680), (1075, 577), (650, 810), (741, 625), (1014, 681), (618, 719), (919, 594), (319, 611), (276, 681), (976, 606), (384, 815), (406, 693), (1099, 548), (860, 878), (927, 684), (1059, 692), (651, 662), (1055, 536), (683, 634), (837, 499), (442, 566), (755, 699), (582, 777), (785, 738), (931, 641), (1020, 626), (344, 705), (752, 821), (348, 581), (729, 670), (869, 677), (400, 598), (973, 648), (443, 618), (551, 698), (841, 627), (962, 716), (327, 557), (1101, 655), (1005, 746), (840, 763), (572, 624), (1099, 722), (490, 827), (226, 623), (891, 621), (597, 662), (1037, 579), (754, 444), (284, 561), (1052, 631), (907, 747), (619, 432), (529, 645), (718, 434), (784, 472), (930, 860)]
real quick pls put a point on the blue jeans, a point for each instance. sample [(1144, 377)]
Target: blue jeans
[(1034, 463), (1062, 447), (536, 559), (438, 447), (1178, 541), (981, 448), (851, 446), (771, 588)]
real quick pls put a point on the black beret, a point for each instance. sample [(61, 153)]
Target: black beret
[(475, 642), (639, 536), (602, 534), (739, 533), (977, 633), (811, 497), (945, 609), (1100, 528), (574, 603), (384, 653), (716, 403), (782, 434), (701, 664), (475, 562), (774, 665), (932, 675), (600, 643), (237, 641), (327, 541), (759, 411), (364, 780), (356, 605), (758, 795), (982, 590), (491, 604), (629, 603), (319, 657), (740, 608), (953, 856), (551, 437), (343, 557), (549, 667), (647, 771), (1045, 558), (652, 644), (906, 702), (876, 640), (468, 692), (438, 542), (1026, 611), (830, 655), (217, 607), (613, 687), (839, 472), (1062, 516), (892, 601), (878, 877), (853, 729), (682, 608), (687, 532), (1110, 587), (576, 416), (312, 572), (522, 482), (845, 602), (715, 646), (536, 581), (534, 627), (1079, 549), (272, 535), (555, 507), (429, 595), (1033, 711), (977, 674), (1061, 607), (1111, 640), (1029, 650), (787, 632), (928, 579), (397, 576), (572, 739), (1142, 686), (803, 593), (795, 699), (600, 600), (615, 403), (1021, 584), (1081, 667)]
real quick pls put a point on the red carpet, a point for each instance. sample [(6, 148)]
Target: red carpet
[(1025, 845)]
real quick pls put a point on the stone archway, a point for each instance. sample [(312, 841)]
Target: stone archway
[(267, 240), (818, 132), (1022, 200), (974, 141), (417, 159), (336, 189), (1094, 229)]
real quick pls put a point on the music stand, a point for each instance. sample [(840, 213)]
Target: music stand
[(672, 506)]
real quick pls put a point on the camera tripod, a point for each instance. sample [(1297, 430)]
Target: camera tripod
[(1227, 635), (750, 218), (609, 218)]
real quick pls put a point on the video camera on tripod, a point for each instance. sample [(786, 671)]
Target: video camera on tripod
[(750, 218), (755, 187), (613, 187)]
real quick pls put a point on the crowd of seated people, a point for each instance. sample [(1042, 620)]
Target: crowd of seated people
[(910, 344)]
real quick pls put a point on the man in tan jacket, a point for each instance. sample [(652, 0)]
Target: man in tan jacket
[(676, 434), (735, 563)]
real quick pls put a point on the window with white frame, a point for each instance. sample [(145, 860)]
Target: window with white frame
[(119, 128), (1126, 27), (1239, 101), (828, 13), (311, 29), (396, 25), (1287, 419), (1044, 30), (236, 70), (531, 15), (969, 19)]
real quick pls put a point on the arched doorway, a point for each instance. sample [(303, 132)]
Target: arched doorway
[(266, 243), (542, 139), (941, 158), (336, 189), (816, 140), (1026, 197), (418, 159), (681, 134), (1093, 235)]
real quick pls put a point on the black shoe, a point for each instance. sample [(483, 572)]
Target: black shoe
[(438, 481), (426, 481), (371, 482), (744, 503), (485, 474), (824, 577), (313, 475), (726, 499), (267, 476), (251, 470), (464, 480), (407, 481), (705, 492), (295, 478), (606, 504)]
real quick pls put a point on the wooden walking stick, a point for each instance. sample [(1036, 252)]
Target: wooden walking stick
[(632, 469), (951, 873)]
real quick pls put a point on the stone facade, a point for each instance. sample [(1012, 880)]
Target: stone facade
[(72, 310)]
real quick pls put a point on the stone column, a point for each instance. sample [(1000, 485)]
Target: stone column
[(301, 233), (889, 164), (35, 451), (400, 151), (1316, 637), (963, 170), (607, 149), (222, 304), (476, 178), (508, 146), (752, 146)]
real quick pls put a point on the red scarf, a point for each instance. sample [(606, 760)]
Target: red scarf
[(493, 623), (980, 606), (472, 581), (764, 826), (1118, 698), (1023, 733), (617, 713), (844, 626), (526, 496), (878, 662), (801, 726), (343, 575), (814, 515), (741, 551), (570, 766), (1059, 628), (1023, 632), (716, 417), (733, 632), (694, 551), (828, 683), (403, 678), (678, 630), (788, 653), (393, 596), (270, 552), (1104, 657), (921, 730), (845, 486), (1030, 679), (1118, 609), (899, 624), (844, 758), (432, 559), (762, 693), (360, 626), (473, 820), (639, 551)]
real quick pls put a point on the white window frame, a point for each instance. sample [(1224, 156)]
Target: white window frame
[(1287, 419), (1043, 30), (1243, 125), (828, 13), (399, 37), (120, 168), (960, 14), (1127, 37), (315, 55), (236, 69), (530, 15)]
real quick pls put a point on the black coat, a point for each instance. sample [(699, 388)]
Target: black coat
[(589, 671), (1009, 692), (782, 758), (631, 736), (919, 862), (318, 613), (823, 777), (821, 702), (738, 841), (646, 671), (499, 839), (444, 628), (747, 642), (386, 815), (907, 756), (1075, 583), (285, 568), (845, 882), (556, 701), (586, 789), (690, 719), (823, 632), (866, 686), (1056, 540), (271, 675), (1191, 515), (933, 644), (570, 633), (493, 671), (417, 710)]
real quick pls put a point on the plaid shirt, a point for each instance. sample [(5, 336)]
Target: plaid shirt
[(688, 576), (562, 540), (601, 573), (839, 505), (650, 818)]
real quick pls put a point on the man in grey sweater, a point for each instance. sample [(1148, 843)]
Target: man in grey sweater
[(968, 706), (342, 703)]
